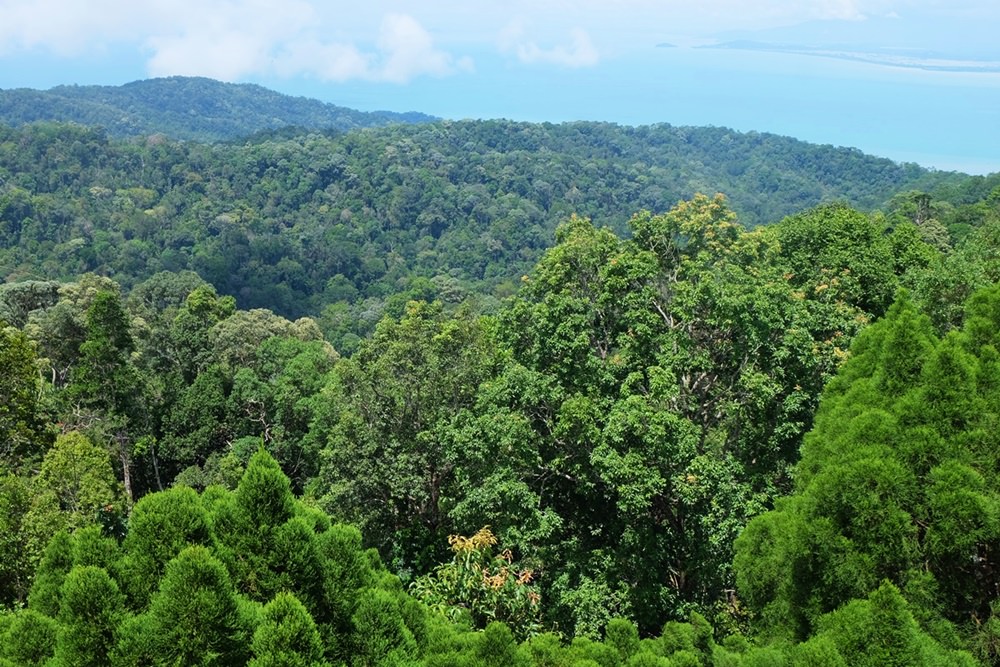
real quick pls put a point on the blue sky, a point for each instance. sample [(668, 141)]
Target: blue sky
[(910, 79)]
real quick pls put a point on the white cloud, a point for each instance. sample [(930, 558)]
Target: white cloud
[(403, 51), (399, 40), (234, 39), (578, 52), (326, 61), (407, 51), (64, 28), (847, 10)]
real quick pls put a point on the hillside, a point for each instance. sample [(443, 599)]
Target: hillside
[(539, 411), (446, 209), (190, 108)]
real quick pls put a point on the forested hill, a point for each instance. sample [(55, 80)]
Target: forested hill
[(437, 210), (580, 434), (186, 108)]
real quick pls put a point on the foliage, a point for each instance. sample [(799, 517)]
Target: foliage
[(23, 435), (897, 482), (481, 586), (286, 635), (384, 425), (78, 475), (639, 401), (348, 227)]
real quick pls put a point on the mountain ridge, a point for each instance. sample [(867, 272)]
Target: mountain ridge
[(187, 108)]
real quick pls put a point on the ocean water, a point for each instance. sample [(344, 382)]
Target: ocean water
[(944, 120)]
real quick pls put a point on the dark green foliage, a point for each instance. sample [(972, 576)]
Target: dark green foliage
[(23, 436), (653, 399), (896, 483), (346, 571), (380, 635), (194, 617), (90, 610), (18, 556), (51, 573), (91, 546), (78, 477), (29, 638), (622, 635), (264, 545), (318, 598), (264, 495), (384, 424), (841, 251), (881, 631), (161, 526), (18, 300), (617, 421), (286, 635), (496, 647), (350, 227), (668, 363)]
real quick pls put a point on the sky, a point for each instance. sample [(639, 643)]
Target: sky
[(915, 80)]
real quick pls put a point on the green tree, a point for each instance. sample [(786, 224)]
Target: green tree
[(881, 630), (160, 527), (194, 617), (79, 476), (286, 636), (895, 484), (30, 639), (19, 545), (23, 435), (384, 424), (266, 547), (107, 381), (836, 249), (380, 633), (670, 378), (55, 565), (90, 610)]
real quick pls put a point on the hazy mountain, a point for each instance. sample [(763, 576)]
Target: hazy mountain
[(186, 108)]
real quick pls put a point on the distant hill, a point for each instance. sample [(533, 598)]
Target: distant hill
[(295, 222), (283, 214), (190, 108)]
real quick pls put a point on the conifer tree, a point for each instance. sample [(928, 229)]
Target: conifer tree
[(90, 610), (161, 526), (56, 564), (194, 618), (286, 636)]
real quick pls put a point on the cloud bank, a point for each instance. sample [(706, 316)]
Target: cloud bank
[(396, 41), (402, 51), (229, 39), (578, 51)]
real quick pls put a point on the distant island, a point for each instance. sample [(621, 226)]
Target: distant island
[(890, 57)]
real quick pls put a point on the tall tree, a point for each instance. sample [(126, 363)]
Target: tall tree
[(384, 423), (106, 381), (23, 435), (897, 482)]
